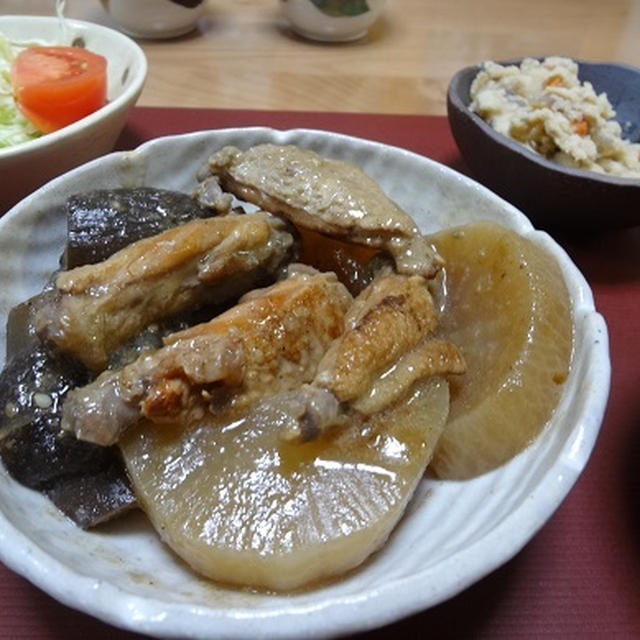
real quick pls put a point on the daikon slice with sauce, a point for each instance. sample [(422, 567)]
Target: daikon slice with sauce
[(242, 507)]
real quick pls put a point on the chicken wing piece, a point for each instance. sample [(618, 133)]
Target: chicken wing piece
[(271, 341), (330, 196), (98, 307), (388, 344)]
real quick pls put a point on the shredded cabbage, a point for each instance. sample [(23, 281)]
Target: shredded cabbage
[(14, 127)]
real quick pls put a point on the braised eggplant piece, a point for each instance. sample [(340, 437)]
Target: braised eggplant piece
[(35, 450), (92, 498), (21, 333), (32, 386), (101, 222)]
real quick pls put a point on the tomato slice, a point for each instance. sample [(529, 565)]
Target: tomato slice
[(55, 86)]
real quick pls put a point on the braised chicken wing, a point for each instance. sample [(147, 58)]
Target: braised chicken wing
[(269, 342), (99, 307), (387, 346), (330, 196)]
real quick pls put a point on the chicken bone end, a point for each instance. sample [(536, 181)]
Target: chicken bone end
[(307, 413)]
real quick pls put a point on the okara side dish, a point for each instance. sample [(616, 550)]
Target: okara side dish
[(543, 105)]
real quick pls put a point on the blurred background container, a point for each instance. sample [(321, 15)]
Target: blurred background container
[(155, 18), (332, 20)]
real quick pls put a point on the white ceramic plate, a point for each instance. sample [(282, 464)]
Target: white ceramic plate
[(453, 533)]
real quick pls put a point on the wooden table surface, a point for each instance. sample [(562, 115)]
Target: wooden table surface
[(243, 56)]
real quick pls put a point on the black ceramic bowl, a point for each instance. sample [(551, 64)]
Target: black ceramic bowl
[(551, 195)]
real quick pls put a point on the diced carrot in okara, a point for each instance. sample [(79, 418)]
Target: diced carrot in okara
[(581, 127), (555, 81)]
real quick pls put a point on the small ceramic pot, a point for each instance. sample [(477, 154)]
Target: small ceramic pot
[(155, 18), (332, 20)]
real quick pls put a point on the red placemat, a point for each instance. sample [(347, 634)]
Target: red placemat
[(579, 576)]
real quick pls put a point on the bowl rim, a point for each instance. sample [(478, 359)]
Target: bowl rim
[(134, 88), (455, 99)]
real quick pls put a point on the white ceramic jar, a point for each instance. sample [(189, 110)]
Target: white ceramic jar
[(332, 20), (155, 18)]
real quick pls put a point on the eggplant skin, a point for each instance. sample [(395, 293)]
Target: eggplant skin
[(38, 454), (32, 446), (101, 222), (90, 499), (21, 332)]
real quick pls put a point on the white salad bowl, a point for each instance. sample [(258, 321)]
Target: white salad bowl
[(26, 166), (452, 534)]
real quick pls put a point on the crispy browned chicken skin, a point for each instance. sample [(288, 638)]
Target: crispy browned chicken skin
[(387, 346), (271, 341), (99, 307)]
